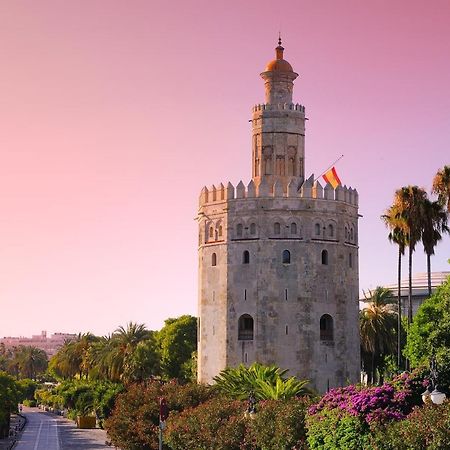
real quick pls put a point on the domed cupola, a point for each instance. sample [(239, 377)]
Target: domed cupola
[(279, 76)]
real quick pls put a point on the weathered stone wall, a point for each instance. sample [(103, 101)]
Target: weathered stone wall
[(286, 301)]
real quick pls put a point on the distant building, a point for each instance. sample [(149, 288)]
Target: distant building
[(50, 345), (419, 289)]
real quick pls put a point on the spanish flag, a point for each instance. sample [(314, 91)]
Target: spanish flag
[(332, 177)]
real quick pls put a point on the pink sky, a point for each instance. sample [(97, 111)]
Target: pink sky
[(114, 115)]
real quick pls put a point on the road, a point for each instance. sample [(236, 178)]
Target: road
[(45, 431)]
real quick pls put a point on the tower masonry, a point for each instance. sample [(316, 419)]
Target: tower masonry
[(278, 257)]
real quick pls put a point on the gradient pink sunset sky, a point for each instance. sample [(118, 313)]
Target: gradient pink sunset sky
[(114, 114)]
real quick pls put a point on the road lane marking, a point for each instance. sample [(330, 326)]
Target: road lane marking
[(38, 436), (57, 435)]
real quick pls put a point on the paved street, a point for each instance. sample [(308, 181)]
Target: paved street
[(46, 431)]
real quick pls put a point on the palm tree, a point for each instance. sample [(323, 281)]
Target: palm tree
[(30, 361), (434, 225), (408, 203), (393, 221), (124, 343), (70, 360), (377, 328), (441, 187), (264, 382)]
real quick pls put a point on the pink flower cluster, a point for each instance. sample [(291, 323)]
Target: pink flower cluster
[(372, 404)]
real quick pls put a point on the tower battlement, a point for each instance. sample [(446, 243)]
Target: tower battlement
[(308, 190), (278, 107)]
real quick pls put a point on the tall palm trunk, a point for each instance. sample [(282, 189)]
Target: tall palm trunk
[(399, 308), (410, 311), (429, 273)]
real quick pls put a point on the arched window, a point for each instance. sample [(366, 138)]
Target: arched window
[(211, 232), (325, 257), (239, 230), (246, 257), (317, 228), (350, 260), (330, 230), (293, 228), (245, 328), (351, 234), (220, 230), (214, 259), (286, 258), (276, 228), (346, 233), (253, 228), (326, 328)]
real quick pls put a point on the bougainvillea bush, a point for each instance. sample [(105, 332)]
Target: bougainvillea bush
[(133, 424), (345, 417)]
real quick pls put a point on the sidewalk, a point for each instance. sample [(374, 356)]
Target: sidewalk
[(16, 425)]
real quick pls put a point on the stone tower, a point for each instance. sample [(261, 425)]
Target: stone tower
[(278, 258)]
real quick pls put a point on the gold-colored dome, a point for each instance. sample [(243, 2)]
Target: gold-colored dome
[(279, 64)]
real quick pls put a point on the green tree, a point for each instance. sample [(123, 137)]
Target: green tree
[(9, 397), (408, 203), (429, 334), (434, 225), (441, 187), (124, 344), (378, 330), (30, 361), (394, 222), (71, 358), (178, 343)]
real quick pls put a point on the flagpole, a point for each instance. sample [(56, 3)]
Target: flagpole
[(329, 167)]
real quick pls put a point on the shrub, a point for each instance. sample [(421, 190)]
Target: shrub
[(344, 417), (336, 429), (280, 424), (133, 424), (30, 403), (426, 428), (218, 424)]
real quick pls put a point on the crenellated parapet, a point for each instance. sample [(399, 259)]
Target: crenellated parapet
[(310, 189), (278, 107)]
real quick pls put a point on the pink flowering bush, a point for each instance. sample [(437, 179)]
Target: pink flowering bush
[(345, 417)]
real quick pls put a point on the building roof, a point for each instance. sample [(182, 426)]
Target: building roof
[(420, 283)]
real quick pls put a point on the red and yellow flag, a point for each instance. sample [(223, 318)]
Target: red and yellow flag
[(332, 177)]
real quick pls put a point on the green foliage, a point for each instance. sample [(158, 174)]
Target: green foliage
[(81, 397), (426, 428), (378, 330), (280, 424), (178, 344), (429, 334), (334, 429), (266, 382), (27, 389), (9, 397), (131, 354), (218, 424), (134, 422), (30, 403)]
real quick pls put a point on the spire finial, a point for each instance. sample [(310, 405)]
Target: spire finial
[(279, 38)]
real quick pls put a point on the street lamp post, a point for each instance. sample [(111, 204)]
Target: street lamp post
[(435, 396)]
